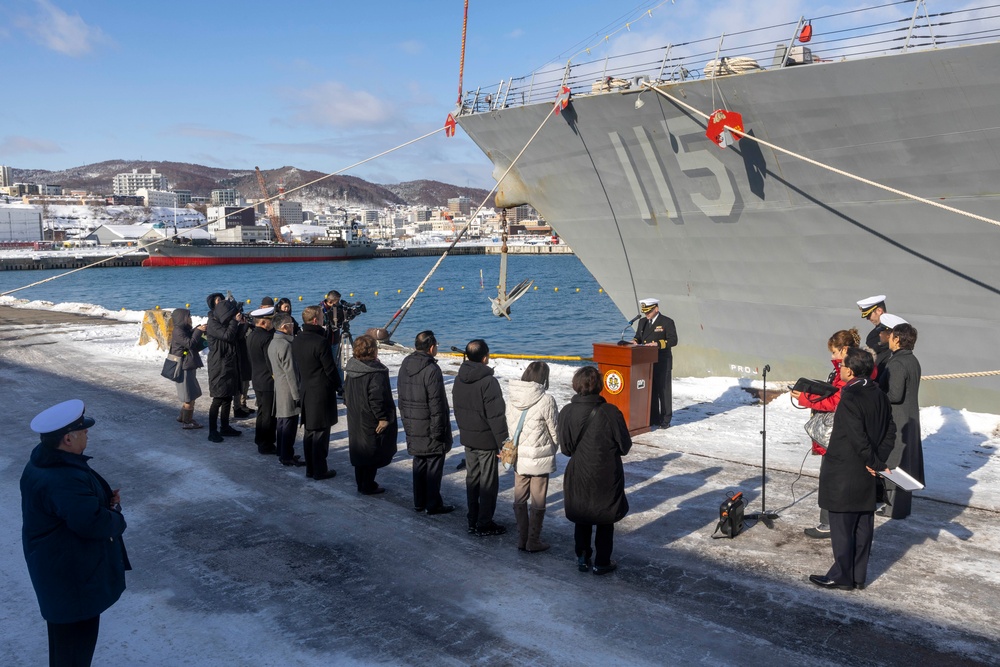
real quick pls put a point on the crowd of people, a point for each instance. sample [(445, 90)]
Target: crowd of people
[(297, 377), (875, 431)]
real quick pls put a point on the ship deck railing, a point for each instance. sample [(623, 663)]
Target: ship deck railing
[(890, 29)]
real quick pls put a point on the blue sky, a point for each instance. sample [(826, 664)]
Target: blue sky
[(317, 85)]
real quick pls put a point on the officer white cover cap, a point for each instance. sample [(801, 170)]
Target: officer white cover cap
[(263, 312), (890, 321), (66, 416), (648, 303), (871, 301)]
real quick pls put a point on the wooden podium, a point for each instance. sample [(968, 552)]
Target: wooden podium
[(627, 375)]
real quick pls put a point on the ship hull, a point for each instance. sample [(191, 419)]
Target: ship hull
[(760, 257), (170, 255)]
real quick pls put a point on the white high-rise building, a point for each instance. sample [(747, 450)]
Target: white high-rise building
[(226, 197), (5, 177), (127, 184)]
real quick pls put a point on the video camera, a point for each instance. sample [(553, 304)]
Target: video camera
[(352, 310), (239, 304)]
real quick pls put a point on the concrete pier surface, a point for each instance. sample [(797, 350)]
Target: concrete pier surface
[(241, 561)]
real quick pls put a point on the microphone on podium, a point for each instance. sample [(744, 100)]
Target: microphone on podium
[(622, 340)]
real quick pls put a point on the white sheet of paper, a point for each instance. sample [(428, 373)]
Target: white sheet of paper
[(902, 479)]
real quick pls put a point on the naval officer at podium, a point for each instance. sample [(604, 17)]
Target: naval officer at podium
[(657, 329)]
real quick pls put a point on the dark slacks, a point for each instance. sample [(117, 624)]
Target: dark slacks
[(267, 426), (604, 541), (851, 537), (365, 477), (315, 448), (427, 473), (481, 485), (286, 428), (219, 409), (661, 409), (73, 644)]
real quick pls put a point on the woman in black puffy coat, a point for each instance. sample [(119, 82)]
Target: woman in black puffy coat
[(371, 414), (592, 432)]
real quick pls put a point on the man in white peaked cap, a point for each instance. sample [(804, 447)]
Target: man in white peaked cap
[(71, 533), (656, 329)]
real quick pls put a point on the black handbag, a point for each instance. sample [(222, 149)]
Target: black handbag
[(731, 516), (817, 387), (172, 368)]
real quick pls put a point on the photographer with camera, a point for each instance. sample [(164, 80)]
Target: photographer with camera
[(337, 315), (333, 319)]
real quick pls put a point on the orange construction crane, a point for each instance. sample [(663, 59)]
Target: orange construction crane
[(275, 220)]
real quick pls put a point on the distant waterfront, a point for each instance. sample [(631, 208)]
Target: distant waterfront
[(554, 319)]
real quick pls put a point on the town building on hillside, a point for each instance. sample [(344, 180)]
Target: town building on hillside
[(290, 212), (157, 197), (20, 223), (5, 177), (420, 215), (226, 197), (460, 205), (127, 184), (521, 213), (226, 217), (183, 197)]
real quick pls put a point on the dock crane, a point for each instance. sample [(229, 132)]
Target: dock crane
[(272, 216)]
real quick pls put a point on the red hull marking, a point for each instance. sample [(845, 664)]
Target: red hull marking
[(215, 261)]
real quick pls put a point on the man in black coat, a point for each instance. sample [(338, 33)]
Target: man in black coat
[(482, 427), (223, 332), (656, 329), (318, 385), (71, 533), (862, 440), (258, 341), (423, 405)]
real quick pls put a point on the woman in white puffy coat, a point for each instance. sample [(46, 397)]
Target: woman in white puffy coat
[(536, 451)]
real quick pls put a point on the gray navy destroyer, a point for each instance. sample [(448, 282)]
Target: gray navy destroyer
[(758, 256)]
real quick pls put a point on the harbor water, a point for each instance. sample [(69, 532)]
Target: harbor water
[(563, 316)]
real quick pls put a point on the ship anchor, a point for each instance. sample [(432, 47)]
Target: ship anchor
[(502, 303)]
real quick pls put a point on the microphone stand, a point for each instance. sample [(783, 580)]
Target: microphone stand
[(763, 515), (621, 339)]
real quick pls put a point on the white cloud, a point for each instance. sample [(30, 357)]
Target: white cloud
[(515, 33), (332, 104), (60, 31), (412, 47), (199, 131), (15, 145)]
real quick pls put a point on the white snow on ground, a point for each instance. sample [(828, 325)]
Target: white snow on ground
[(207, 590)]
